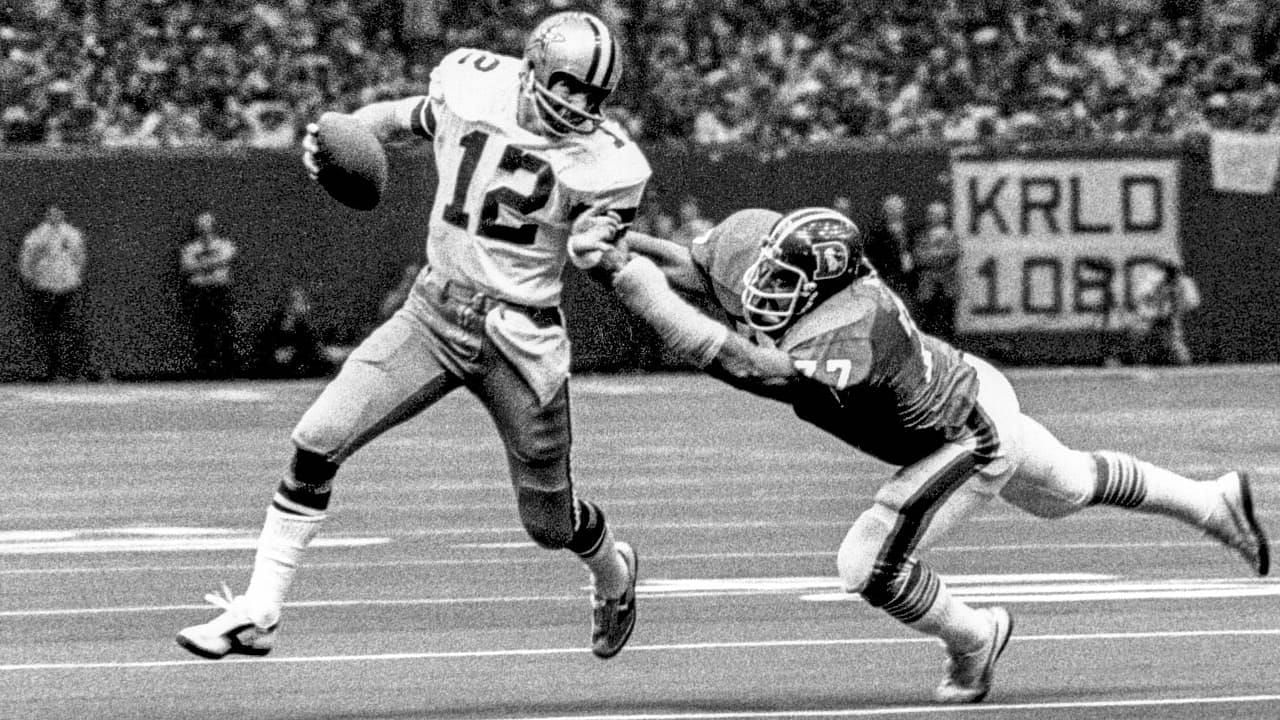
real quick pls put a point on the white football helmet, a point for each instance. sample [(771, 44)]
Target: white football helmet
[(578, 48)]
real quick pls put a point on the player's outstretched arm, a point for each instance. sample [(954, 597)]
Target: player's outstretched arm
[(388, 118), (643, 288), (673, 259)]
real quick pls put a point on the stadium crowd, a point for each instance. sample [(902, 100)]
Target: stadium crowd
[(769, 72)]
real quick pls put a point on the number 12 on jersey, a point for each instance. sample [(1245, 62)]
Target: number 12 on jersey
[(513, 160)]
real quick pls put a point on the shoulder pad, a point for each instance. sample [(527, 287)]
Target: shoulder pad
[(725, 252), (602, 162), (470, 80), (846, 309)]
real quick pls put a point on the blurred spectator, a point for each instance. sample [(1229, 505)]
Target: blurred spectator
[(51, 263), (844, 205), (290, 345), (770, 74), (936, 258), (1162, 307), (689, 222), (889, 246), (205, 261)]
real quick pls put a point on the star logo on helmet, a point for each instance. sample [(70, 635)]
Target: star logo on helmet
[(541, 42), (831, 260)]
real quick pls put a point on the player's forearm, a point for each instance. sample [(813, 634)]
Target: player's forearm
[(694, 336), (765, 372), (387, 117), (644, 290), (673, 259)]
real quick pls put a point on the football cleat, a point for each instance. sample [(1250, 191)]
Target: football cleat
[(231, 632), (1241, 530), (613, 619), (969, 674)]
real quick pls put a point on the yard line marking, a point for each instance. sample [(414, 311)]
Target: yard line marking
[(673, 647), (139, 545), (116, 395), (51, 612), (1026, 588), (148, 539)]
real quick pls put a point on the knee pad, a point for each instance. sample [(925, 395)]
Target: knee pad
[(547, 516), (856, 560)]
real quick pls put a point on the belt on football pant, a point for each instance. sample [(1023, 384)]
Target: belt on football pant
[(482, 303)]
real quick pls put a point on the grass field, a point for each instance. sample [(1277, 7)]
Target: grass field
[(123, 504)]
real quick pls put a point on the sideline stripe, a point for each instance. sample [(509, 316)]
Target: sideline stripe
[(676, 647)]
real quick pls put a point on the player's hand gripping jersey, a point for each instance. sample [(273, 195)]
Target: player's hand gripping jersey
[(869, 376), (506, 197)]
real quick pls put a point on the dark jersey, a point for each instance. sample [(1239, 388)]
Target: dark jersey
[(875, 380), (872, 378)]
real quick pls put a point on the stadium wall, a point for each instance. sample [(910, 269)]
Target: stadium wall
[(136, 207)]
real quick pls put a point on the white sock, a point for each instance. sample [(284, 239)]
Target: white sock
[(280, 548), (608, 570), (960, 627)]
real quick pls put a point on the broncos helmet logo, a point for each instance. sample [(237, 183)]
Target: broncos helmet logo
[(807, 253)]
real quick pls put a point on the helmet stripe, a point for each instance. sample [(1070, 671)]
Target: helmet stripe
[(608, 68), (595, 53), (609, 46), (788, 224)]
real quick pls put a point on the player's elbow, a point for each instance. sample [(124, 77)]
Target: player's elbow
[(745, 363)]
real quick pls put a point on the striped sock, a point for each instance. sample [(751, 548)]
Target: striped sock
[(593, 542), (1120, 482), (1124, 481), (924, 603)]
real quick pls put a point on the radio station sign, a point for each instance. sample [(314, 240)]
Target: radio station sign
[(1059, 244)]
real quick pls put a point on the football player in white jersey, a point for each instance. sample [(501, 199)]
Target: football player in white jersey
[(521, 148)]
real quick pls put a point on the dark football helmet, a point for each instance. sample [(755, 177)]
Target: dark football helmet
[(810, 253), (578, 48)]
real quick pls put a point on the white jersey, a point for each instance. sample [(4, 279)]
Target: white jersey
[(506, 197)]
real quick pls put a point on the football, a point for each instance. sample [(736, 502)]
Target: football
[(353, 165)]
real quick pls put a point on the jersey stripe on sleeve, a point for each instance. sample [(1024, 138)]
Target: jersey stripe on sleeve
[(424, 120)]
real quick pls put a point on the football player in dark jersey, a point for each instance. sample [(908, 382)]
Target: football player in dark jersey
[(818, 329)]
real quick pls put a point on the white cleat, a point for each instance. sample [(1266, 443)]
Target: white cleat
[(969, 675), (1242, 532), (231, 632)]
